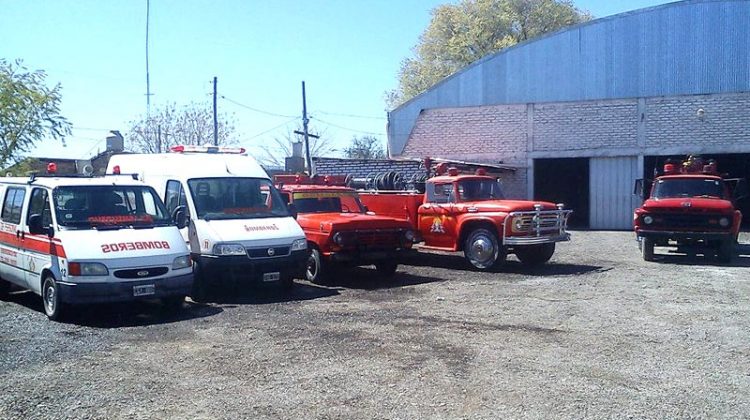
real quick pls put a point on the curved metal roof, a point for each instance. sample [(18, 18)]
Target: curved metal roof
[(687, 47)]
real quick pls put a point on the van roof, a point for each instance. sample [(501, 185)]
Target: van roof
[(188, 165), (62, 181)]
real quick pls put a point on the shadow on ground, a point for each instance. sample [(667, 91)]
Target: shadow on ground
[(367, 278), (456, 262), (117, 315), (702, 256), (240, 295)]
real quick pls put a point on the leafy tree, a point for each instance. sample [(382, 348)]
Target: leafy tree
[(169, 126), (365, 147), (460, 34), (281, 147), (29, 111)]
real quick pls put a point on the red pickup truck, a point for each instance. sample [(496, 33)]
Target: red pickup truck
[(690, 204), (468, 213), (339, 229)]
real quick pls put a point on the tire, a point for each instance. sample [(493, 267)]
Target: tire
[(199, 293), (54, 308), (386, 268), (647, 249), (173, 303), (318, 271), (4, 289), (725, 252), (534, 255), (482, 250)]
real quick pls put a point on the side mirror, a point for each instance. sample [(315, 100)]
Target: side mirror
[(179, 217), (292, 210), (36, 227)]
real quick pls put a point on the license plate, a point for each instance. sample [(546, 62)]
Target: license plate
[(272, 276), (145, 290)]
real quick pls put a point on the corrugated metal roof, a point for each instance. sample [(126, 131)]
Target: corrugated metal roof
[(688, 47)]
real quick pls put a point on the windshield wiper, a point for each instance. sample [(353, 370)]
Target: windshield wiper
[(109, 227)]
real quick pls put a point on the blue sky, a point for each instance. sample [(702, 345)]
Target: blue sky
[(348, 53)]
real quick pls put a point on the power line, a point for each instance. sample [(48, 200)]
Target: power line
[(273, 114), (270, 129), (347, 128), (334, 114)]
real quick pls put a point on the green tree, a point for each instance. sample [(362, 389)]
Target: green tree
[(365, 147), (29, 111), (460, 34), (171, 125)]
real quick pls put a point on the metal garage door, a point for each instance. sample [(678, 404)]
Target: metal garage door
[(611, 192)]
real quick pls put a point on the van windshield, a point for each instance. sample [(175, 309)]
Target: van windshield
[(236, 198), (109, 207)]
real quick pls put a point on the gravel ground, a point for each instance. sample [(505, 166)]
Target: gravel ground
[(596, 333)]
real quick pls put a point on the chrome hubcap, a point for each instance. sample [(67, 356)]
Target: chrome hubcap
[(49, 299), (312, 268), (482, 250)]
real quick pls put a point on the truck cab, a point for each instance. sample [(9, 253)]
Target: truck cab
[(689, 205), (468, 212), (340, 230)]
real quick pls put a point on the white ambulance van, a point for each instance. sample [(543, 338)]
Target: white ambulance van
[(239, 229), (90, 240)]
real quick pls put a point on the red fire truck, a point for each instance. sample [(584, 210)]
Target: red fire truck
[(340, 230), (690, 204), (467, 212)]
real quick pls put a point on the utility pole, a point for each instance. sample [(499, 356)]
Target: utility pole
[(216, 122), (305, 120)]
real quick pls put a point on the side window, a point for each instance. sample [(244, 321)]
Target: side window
[(175, 197), (440, 193), (12, 205), (39, 204)]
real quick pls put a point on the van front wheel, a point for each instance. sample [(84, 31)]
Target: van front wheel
[(53, 306)]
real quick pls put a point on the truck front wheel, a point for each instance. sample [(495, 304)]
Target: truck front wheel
[(726, 250), (647, 249), (482, 249), (532, 255), (318, 270)]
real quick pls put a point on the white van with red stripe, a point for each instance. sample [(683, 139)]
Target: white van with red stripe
[(89, 240)]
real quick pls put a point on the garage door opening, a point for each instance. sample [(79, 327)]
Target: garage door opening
[(734, 165), (564, 181)]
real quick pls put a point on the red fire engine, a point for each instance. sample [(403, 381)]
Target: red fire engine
[(467, 212), (339, 228), (689, 204)]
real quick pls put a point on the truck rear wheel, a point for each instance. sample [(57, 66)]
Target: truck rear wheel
[(647, 249), (725, 251), (318, 270), (482, 249), (532, 255)]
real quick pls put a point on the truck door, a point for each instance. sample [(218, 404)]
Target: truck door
[(11, 257), (175, 197), (437, 221), (38, 249)]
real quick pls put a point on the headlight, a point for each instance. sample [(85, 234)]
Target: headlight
[(229, 249), (724, 222), (181, 262), (517, 224), (648, 220), (87, 269), (409, 235), (299, 244), (338, 238)]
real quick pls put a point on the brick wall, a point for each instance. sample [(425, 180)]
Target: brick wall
[(363, 167), (675, 121), (585, 125)]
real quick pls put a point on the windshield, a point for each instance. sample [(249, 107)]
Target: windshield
[(479, 190), (236, 198), (327, 202), (109, 206), (686, 187)]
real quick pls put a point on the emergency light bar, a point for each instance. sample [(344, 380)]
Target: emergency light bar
[(206, 149)]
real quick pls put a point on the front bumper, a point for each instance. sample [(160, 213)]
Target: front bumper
[(365, 257), (537, 227), (122, 291), (683, 236), (535, 240), (242, 268)]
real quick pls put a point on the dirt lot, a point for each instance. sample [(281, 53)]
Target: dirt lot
[(596, 333)]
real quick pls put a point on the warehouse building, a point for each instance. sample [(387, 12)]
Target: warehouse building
[(584, 112)]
